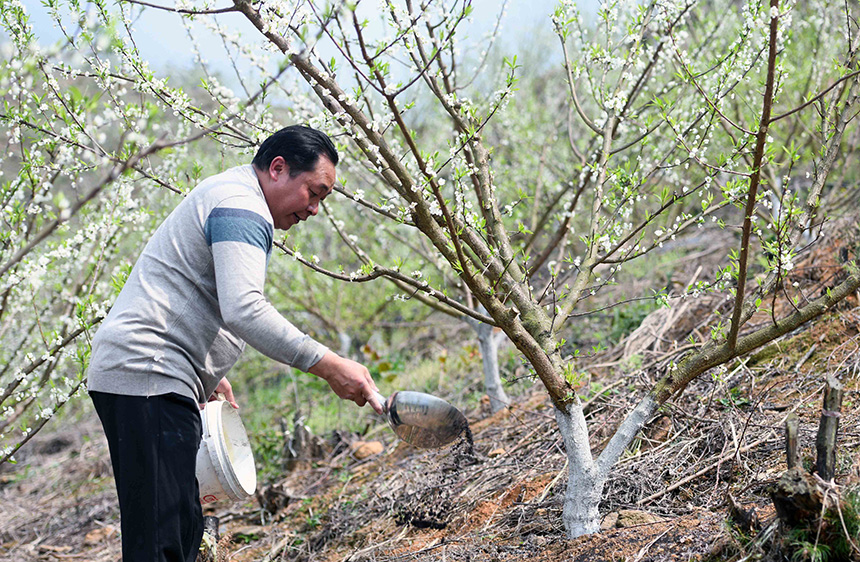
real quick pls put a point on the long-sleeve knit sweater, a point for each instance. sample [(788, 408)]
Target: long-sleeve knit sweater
[(195, 296)]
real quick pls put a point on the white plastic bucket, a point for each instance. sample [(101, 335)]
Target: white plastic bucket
[(225, 463)]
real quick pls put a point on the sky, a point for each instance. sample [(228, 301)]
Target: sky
[(165, 43)]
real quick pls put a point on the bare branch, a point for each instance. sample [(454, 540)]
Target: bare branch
[(761, 140), (182, 10), (816, 97), (379, 271)]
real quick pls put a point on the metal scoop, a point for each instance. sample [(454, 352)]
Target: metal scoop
[(422, 420)]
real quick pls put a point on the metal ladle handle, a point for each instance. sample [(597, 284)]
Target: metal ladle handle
[(382, 400)]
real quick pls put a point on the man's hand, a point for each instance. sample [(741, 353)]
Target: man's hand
[(224, 387), (348, 379)]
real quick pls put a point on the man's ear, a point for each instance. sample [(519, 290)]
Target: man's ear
[(278, 166)]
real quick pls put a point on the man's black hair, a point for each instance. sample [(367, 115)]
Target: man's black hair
[(299, 145)]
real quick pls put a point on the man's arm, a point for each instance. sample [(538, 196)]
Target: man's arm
[(239, 242)]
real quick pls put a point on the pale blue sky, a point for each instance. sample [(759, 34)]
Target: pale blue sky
[(163, 40)]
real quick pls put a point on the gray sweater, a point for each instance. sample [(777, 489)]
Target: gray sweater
[(195, 296)]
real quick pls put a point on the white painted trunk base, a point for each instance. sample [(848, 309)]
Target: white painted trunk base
[(584, 480)]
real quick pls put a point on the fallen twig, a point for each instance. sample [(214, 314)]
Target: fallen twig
[(707, 469), (645, 548)]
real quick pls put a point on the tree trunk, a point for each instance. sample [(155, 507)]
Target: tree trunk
[(828, 426), (792, 459), (488, 342), (585, 482), (796, 497), (345, 344)]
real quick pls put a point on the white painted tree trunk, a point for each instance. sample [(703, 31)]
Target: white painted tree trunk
[(488, 343), (586, 477), (626, 432), (345, 343), (585, 482)]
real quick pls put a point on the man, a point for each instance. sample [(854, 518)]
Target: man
[(191, 302)]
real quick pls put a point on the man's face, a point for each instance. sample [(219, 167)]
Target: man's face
[(294, 199)]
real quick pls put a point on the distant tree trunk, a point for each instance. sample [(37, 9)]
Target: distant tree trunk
[(489, 341), (345, 343)]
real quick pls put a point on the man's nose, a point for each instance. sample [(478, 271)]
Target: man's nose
[(314, 208)]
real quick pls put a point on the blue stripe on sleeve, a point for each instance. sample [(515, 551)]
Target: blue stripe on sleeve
[(238, 225)]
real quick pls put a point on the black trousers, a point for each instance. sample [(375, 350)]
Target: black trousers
[(153, 445)]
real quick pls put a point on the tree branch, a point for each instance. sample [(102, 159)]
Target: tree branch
[(761, 141), (181, 10)]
